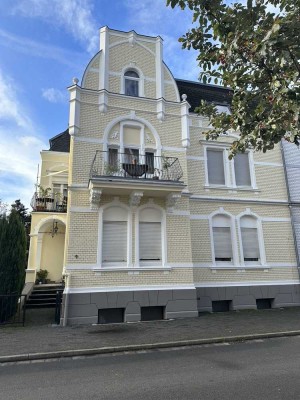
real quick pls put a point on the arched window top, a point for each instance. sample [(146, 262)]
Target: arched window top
[(115, 213), (132, 74), (221, 220), (150, 214), (248, 221)]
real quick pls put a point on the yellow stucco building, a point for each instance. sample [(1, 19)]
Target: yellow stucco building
[(143, 217)]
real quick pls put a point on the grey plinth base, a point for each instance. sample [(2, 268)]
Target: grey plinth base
[(83, 308), (246, 297)]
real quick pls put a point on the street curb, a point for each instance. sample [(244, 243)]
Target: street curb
[(146, 346)]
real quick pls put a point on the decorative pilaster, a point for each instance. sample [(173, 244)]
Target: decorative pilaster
[(185, 129), (135, 199), (171, 201), (74, 115), (95, 198)]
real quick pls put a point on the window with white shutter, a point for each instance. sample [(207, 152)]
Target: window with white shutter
[(242, 169), (150, 235), (114, 235), (215, 167), (250, 241), (222, 238)]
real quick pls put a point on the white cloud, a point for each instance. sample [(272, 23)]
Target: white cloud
[(74, 16), (10, 107), (36, 49), (55, 95), (19, 148)]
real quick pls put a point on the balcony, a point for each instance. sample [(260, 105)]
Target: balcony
[(131, 166), (51, 202), (112, 171)]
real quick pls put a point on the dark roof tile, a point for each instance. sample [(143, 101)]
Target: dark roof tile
[(197, 91), (60, 142)]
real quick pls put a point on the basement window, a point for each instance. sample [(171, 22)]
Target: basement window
[(221, 305), (152, 313), (264, 304), (111, 315)]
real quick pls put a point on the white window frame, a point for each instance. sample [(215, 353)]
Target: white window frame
[(229, 172), (231, 218), (141, 79), (225, 165), (156, 149), (262, 258), (163, 262), (128, 264)]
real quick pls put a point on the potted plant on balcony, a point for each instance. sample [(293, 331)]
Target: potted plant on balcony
[(111, 169), (166, 164), (42, 198)]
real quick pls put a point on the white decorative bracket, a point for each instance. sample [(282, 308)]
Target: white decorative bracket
[(103, 102), (135, 199), (95, 198), (160, 109), (172, 200)]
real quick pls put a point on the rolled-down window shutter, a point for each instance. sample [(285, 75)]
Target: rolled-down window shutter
[(242, 170), (215, 167), (250, 244), (222, 243), (114, 241), (150, 241)]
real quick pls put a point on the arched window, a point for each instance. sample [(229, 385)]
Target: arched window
[(114, 235), (250, 243), (150, 235), (221, 229), (131, 83)]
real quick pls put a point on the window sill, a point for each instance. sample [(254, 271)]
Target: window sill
[(232, 189), (132, 269), (239, 267)]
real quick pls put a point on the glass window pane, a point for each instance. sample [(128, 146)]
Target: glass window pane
[(242, 170), (215, 167), (131, 87)]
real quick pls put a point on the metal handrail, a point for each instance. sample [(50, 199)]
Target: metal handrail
[(125, 165)]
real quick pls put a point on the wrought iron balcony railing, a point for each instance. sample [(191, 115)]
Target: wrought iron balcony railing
[(51, 202), (112, 163)]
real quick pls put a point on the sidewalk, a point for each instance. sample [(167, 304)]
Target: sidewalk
[(40, 336)]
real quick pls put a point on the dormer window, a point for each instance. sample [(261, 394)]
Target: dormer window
[(131, 83)]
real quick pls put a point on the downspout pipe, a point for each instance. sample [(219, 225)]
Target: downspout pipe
[(290, 208), (66, 303)]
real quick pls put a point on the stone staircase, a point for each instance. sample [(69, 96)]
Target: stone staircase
[(44, 296)]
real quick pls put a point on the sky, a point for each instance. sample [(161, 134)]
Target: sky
[(43, 45)]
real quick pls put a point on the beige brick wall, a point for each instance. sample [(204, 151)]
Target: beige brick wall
[(121, 55), (202, 275), (170, 92), (85, 278), (83, 238), (91, 80)]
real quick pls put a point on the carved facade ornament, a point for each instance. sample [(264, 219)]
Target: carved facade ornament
[(132, 39), (135, 199), (132, 114), (149, 139), (114, 135), (95, 198), (172, 200)]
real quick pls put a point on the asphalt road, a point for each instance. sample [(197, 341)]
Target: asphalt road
[(268, 369)]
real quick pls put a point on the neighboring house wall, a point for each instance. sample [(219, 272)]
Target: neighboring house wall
[(49, 211)]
